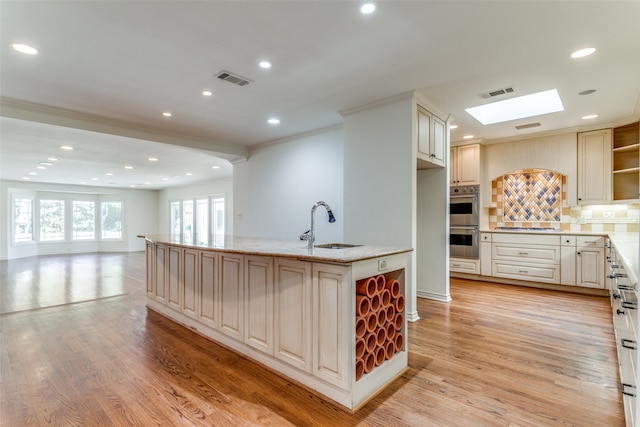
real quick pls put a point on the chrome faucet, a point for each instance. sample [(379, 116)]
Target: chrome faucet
[(310, 235)]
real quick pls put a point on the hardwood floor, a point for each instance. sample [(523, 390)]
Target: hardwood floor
[(496, 355)]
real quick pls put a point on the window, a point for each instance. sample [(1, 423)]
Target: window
[(51, 220), (84, 220), (217, 219), (202, 220), (176, 223), (111, 224), (22, 219), (187, 220)]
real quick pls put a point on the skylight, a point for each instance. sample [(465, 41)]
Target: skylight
[(531, 105)]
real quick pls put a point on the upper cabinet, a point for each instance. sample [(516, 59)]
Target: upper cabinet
[(432, 140), (594, 167), (465, 165), (626, 162)]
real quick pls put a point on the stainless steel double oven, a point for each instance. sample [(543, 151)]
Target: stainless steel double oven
[(464, 231)]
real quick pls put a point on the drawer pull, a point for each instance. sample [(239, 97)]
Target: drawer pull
[(456, 265), (628, 393), (631, 305), (590, 242), (616, 296), (523, 253), (618, 311), (626, 288), (630, 344)]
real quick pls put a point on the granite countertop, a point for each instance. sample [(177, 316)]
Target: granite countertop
[(283, 248)]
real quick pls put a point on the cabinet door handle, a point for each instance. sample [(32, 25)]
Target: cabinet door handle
[(579, 253), (618, 311), (616, 296), (630, 344), (631, 305), (628, 393)]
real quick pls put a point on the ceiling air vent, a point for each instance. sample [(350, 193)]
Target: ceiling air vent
[(528, 125), (233, 78), (496, 92)]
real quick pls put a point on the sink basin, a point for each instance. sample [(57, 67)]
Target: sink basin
[(336, 246)]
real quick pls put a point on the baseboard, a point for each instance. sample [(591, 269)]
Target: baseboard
[(433, 296)]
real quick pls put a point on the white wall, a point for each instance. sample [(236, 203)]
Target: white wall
[(140, 217), (380, 180), (558, 153), (210, 188), (276, 187)]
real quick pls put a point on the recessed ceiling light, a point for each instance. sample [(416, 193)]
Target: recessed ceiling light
[(273, 121), (66, 147), (109, 174), (207, 92), (468, 136), (265, 64), (587, 92), (83, 182), (166, 114), (128, 167), (367, 8), (94, 179), (32, 173), (188, 174), (147, 183), (53, 159), (41, 167), (453, 127), (165, 179), (153, 159), (215, 167), (46, 164), (589, 116), (132, 185), (26, 178), (583, 52), (25, 48), (520, 107)]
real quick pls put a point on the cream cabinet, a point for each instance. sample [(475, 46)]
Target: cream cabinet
[(626, 162), (259, 303), (432, 140), (464, 265), (189, 288), (174, 271), (160, 288), (208, 300), (485, 254), (526, 257), (568, 255), (231, 300), (594, 167), (590, 263), (465, 165), (151, 279), (293, 328)]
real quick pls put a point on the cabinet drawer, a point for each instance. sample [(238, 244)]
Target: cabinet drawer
[(568, 240), (524, 239), (530, 253), (595, 241), (471, 266), (537, 273)]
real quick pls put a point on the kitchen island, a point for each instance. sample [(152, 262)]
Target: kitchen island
[(331, 319)]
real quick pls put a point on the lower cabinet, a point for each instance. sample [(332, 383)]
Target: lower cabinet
[(231, 290), (259, 303), (590, 262), (463, 265), (208, 298), (189, 294)]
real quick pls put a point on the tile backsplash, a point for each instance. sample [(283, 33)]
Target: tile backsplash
[(538, 198)]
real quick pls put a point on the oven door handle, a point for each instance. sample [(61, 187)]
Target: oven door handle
[(464, 196), (464, 227)]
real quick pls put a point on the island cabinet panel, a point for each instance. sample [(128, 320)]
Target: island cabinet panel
[(293, 313), (259, 303), (332, 325), (174, 271), (160, 274), (208, 301), (151, 269), (190, 280), (232, 295)]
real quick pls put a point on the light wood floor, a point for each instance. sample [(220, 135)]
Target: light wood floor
[(497, 355)]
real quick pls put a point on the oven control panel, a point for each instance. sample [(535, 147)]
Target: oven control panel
[(464, 189)]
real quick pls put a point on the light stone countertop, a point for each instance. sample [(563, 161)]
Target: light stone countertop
[(281, 248)]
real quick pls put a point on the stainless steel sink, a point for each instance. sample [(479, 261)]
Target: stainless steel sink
[(336, 246)]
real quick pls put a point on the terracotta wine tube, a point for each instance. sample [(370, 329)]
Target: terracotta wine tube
[(389, 351), (381, 336), (359, 369), (363, 304), (361, 326), (360, 348), (385, 298), (399, 303), (399, 342), (399, 321), (380, 282), (369, 362), (391, 330), (394, 287), (370, 342), (367, 287), (372, 321), (382, 318), (380, 356), (376, 303), (391, 313)]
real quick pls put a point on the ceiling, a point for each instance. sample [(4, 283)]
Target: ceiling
[(107, 70)]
